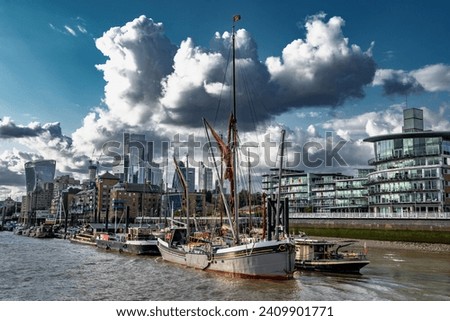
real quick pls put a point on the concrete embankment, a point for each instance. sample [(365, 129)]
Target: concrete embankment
[(377, 224), (428, 247)]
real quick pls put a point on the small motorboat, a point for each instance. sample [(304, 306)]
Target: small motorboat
[(326, 256)]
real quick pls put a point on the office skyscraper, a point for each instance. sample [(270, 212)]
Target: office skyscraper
[(38, 173), (205, 178), (39, 177), (189, 176)]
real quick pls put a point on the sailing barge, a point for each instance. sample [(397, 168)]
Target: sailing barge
[(229, 252), (259, 259)]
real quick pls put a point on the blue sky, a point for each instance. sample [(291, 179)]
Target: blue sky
[(55, 102)]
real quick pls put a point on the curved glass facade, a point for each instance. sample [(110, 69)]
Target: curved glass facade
[(411, 173), (395, 148)]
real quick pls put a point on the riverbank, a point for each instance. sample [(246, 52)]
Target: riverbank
[(428, 241), (416, 246), (407, 236)]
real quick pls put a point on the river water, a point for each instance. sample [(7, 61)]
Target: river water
[(54, 269)]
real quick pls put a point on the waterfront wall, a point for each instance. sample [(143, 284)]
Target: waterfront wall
[(429, 221), (376, 224), (381, 221)]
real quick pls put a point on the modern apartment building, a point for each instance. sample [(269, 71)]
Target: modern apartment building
[(306, 192), (352, 193), (412, 169)]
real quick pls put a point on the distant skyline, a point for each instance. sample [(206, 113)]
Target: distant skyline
[(75, 75)]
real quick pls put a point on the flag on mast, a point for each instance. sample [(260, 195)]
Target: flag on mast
[(237, 17)]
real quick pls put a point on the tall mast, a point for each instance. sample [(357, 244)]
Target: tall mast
[(234, 139), (235, 18)]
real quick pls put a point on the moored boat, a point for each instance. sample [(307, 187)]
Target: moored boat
[(83, 238), (86, 235), (42, 231), (258, 259), (262, 257), (325, 256)]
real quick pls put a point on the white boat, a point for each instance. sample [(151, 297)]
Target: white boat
[(325, 256), (232, 254)]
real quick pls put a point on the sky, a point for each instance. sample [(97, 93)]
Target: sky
[(76, 75)]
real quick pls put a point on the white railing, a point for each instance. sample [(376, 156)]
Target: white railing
[(405, 215)]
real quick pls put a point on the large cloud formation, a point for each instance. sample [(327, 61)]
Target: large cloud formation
[(323, 69), (140, 56), (155, 87)]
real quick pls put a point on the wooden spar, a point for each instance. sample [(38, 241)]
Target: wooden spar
[(185, 193), (224, 149)]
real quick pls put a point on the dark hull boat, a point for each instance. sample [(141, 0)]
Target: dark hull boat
[(145, 247), (138, 241), (325, 256)]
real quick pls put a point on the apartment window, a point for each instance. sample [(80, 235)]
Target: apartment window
[(434, 161), (446, 147), (430, 173), (431, 185), (420, 162)]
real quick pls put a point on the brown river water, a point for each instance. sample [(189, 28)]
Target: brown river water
[(57, 270)]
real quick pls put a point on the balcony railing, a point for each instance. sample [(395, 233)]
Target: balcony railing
[(400, 178), (366, 215), (411, 154)]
